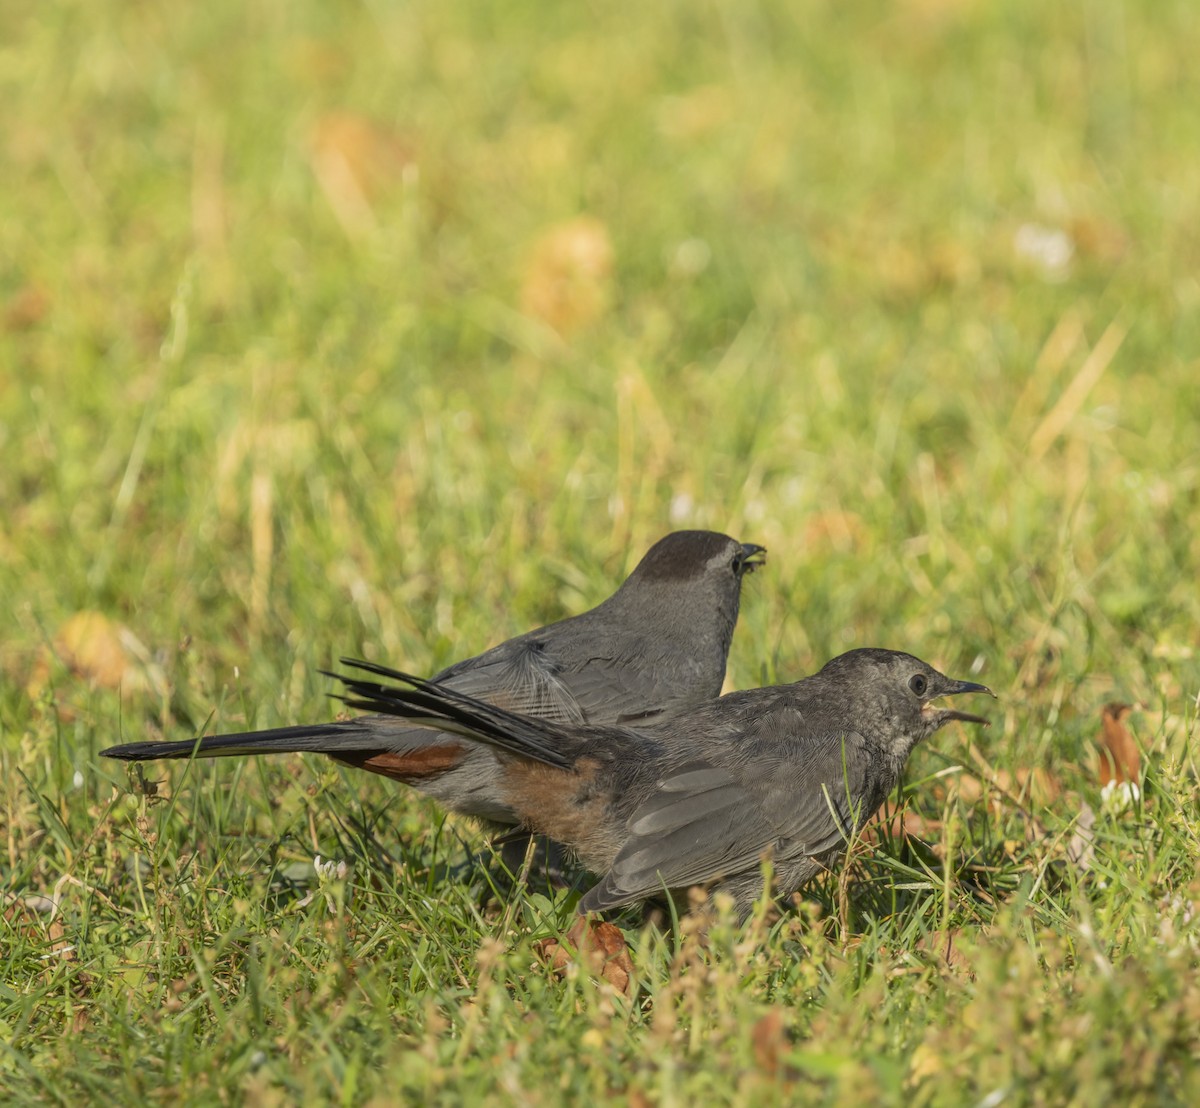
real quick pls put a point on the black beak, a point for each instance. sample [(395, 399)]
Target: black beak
[(753, 556), (953, 688)]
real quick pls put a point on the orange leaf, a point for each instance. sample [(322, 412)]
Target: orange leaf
[(1038, 785), (599, 945), (1120, 759), (90, 644), (102, 652), (901, 824), (355, 161), (768, 1039), (26, 308), (568, 277), (944, 946)]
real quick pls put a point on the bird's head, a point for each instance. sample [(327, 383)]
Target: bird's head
[(897, 696), (694, 577)]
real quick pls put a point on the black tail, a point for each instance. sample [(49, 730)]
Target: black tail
[(443, 708), (321, 738), (425, 703)]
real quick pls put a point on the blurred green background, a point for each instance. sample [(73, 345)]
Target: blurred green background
[(398, 328)]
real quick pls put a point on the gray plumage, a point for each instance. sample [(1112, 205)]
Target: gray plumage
[(789, 772), (654, 648)]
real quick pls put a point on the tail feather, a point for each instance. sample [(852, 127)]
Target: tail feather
[(322, 738), (426, 703), (446, 709)]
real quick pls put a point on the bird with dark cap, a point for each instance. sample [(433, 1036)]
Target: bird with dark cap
[(653, 649), (788, 773)]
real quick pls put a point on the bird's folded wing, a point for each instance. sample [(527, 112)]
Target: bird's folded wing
[(520, 676), (613, 689), (705, 822), (534, 678)]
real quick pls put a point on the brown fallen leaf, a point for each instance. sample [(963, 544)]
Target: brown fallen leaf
[(600, 946), (26, 308), (94, 647), (1120, 759), (101, 651), (1098, 238), (56, 935), (945, 946), (768, 1039), (1037, 785), (568, 278), (904, 823), (356, 160), (36, 917)]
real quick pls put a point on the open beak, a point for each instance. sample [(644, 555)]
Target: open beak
[(753, 556), (953, 688)]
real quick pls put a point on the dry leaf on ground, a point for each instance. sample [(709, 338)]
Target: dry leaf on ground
[(947, 948), (599, 945), (36, 917), (1037, 785), (1120, 759), (769, 1040), (355, 160), (902, 824), (101, 651), (25, 309), (568, 278)]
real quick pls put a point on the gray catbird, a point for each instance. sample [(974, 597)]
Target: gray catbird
[(788, 772), (654, 648)]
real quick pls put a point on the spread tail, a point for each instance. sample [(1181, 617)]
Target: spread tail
[(436, 705)]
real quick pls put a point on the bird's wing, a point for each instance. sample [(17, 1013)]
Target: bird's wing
[(570, 679), (610, 687), (521, 676), (708, 821)]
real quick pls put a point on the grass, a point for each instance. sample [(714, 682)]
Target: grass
[(393, 330)]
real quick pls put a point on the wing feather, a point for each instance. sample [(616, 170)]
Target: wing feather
[(706, 822)]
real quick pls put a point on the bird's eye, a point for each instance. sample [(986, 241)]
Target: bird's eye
[(918, 684)]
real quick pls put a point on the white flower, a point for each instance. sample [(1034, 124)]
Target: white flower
[(330, 870), (1116, 796), (1047, 247)]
